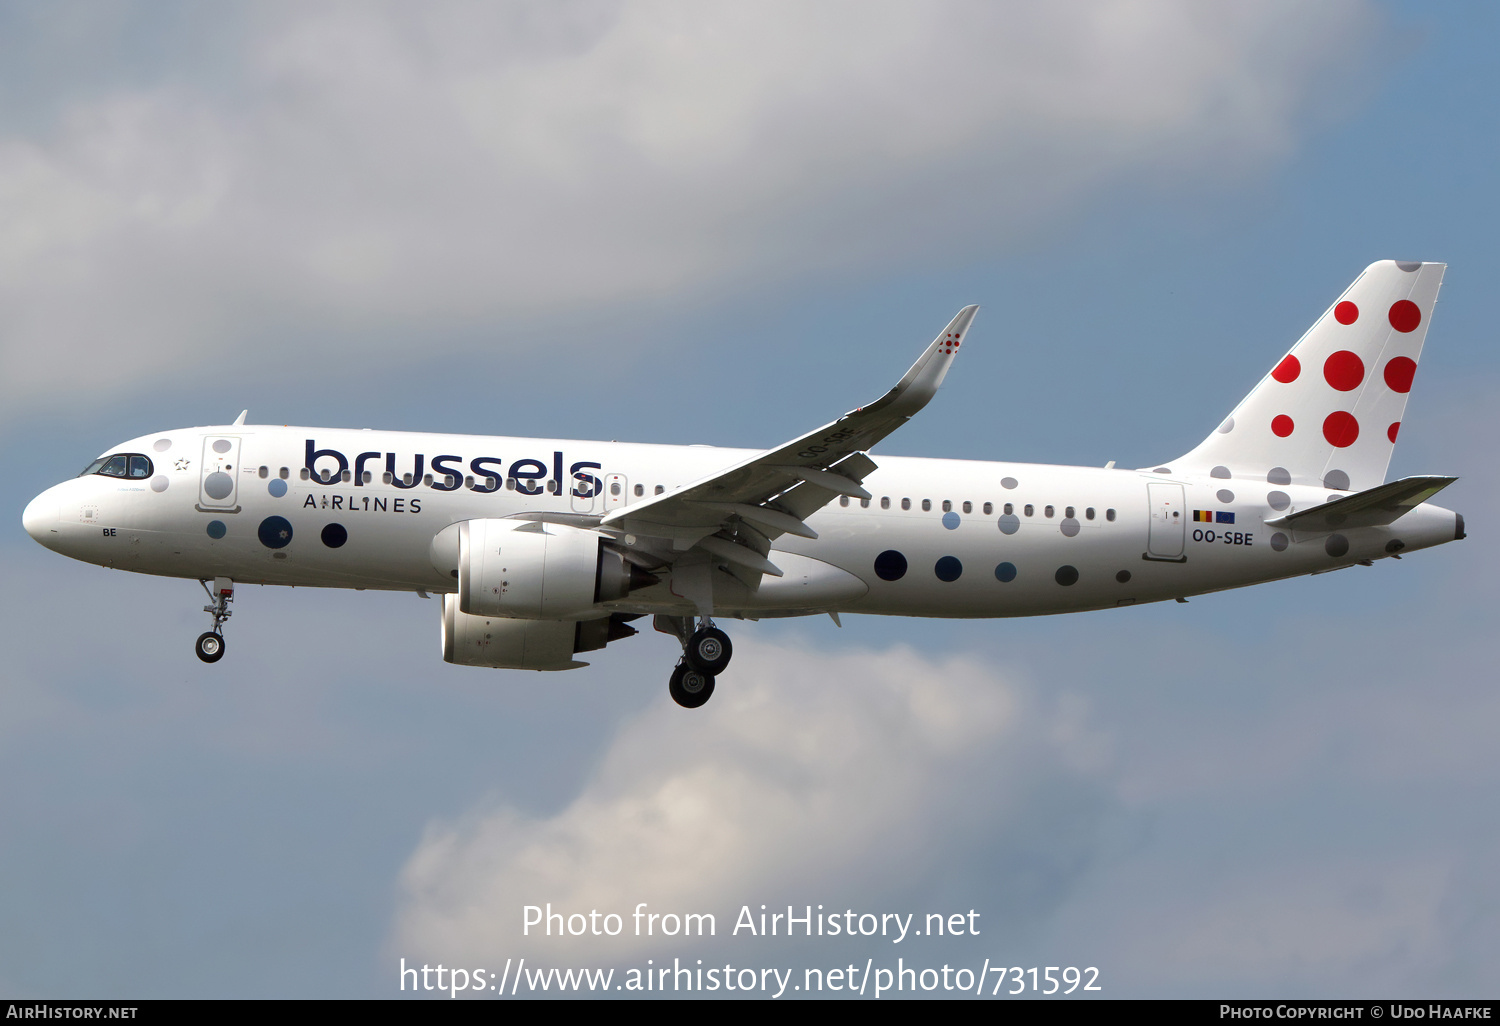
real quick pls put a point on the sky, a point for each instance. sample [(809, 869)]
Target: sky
[(727, 224)]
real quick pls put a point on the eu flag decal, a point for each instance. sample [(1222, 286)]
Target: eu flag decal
[(1223, 518)]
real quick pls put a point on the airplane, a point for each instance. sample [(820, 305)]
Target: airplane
[(542, 549)]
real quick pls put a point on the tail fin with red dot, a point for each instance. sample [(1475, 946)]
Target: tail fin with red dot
[(1328, 412)]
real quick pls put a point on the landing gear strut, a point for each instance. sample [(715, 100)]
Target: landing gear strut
[(706, 651), (210, 644)]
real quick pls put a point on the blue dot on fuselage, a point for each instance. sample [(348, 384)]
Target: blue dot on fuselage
[(277, 487), (216, 529), (950, 520), (890, 565), (275, 532)]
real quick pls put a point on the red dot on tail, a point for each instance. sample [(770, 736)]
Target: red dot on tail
[(1346, 313), (1405, 315), (1341, 429), (1287, 370), (1390, 432), (1399, 372), (1344, 371), (1281, 426)]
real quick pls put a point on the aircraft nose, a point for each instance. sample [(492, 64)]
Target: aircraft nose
[(40, 516)]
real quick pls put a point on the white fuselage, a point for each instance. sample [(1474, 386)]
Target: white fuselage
[(1131, 536)]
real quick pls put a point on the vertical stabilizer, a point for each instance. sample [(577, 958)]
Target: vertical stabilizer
[(1329, 412)]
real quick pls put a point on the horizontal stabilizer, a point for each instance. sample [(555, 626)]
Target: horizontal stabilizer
[(1373, 507)]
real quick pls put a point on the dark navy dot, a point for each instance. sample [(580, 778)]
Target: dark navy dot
[(948, 569), (334, 535), (275, 532), (216, 529), (1005, 573), (890, 565), (277, 487), (1336, 545), (950, 521), (1279, 542), (1123, 576), (1066, 575)]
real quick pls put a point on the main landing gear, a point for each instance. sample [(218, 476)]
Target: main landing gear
[(210, 644), (706, 652)]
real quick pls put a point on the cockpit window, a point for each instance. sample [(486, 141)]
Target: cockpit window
[(127, 464)]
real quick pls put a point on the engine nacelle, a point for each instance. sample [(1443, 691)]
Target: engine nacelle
[(510, 644), (532, 570)]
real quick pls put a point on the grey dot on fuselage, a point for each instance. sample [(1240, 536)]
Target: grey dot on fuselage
[(218, 485), (1224, 495), (1008, 482), (1278, 500), (1010, 524), (1279, 542), (1336, 545), (1336, 479), (222, 445), (1409, 265), (1069, 527), (162, 444), (1279, 475), (159, 483), (1220, 472)]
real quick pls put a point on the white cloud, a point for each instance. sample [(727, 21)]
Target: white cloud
[(808, 778), (373, 174)]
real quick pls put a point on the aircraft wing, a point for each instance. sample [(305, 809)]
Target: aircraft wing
[(734, 513), (1372, 507)]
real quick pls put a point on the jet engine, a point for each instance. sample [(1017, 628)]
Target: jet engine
[(511, 644), (531, 570)]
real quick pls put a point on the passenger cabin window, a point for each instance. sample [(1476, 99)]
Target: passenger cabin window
[(947, 506), (346, 475), (662, 488), (285, 473), (1068, 512), (640, 490), (906, 504), (864, 503), (126, 465), (844, 500), (989, 507), (968, 506), (364, 478), (264, 472), (1009, 509), (1028, 509), (1049, 512), (306, 475), (1109, 515), (1089, 513), (385, 478), (885, 502), (614, 488), (926, 505)]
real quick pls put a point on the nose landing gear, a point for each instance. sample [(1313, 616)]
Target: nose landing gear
[(210, 644), (706, 652)]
